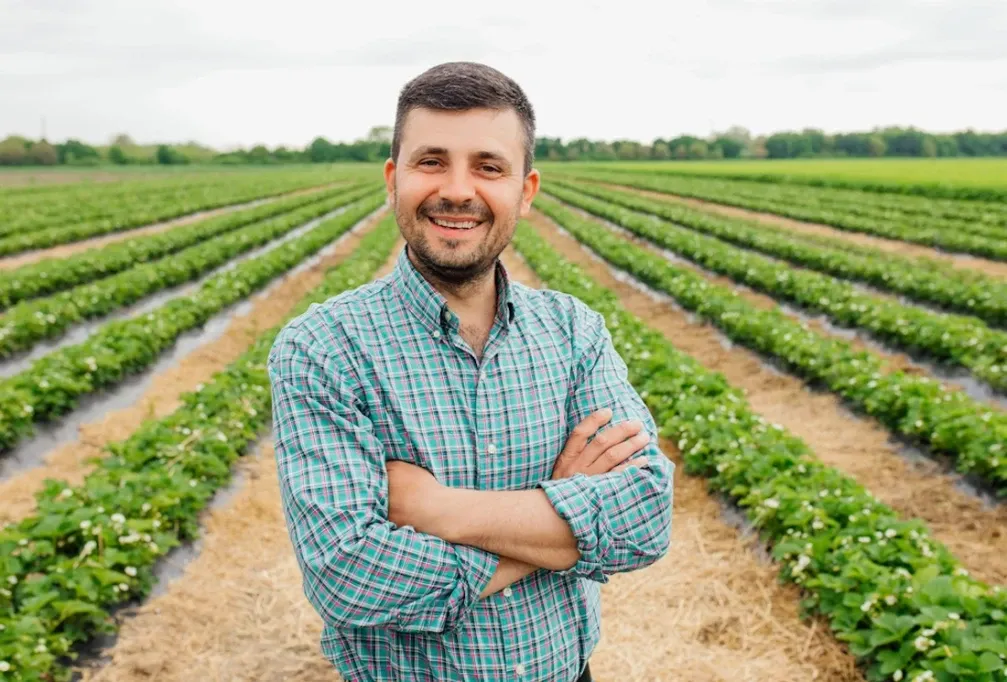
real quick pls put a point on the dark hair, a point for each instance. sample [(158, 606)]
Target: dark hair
[(457, 86)]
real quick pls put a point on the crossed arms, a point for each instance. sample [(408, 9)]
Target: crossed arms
[(383, 544)]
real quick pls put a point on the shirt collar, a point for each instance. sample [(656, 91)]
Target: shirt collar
[(431, 306)]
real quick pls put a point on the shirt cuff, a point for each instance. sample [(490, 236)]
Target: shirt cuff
[(576, 502)]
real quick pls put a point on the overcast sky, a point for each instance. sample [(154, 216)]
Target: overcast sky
[(240, 73)]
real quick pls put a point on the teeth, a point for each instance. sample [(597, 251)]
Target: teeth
[(456, 225)]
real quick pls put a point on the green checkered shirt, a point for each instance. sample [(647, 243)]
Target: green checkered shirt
[(382, 373)]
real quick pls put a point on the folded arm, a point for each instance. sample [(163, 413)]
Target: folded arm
[(359, 569)]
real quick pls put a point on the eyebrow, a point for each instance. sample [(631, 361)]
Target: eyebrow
[(441, 151)]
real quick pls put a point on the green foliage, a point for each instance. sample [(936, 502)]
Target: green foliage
[(894, 594), (52, 385), (925, 280), (919, 408), (92, 547)]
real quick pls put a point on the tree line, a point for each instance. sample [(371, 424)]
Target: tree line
[(736, 142)]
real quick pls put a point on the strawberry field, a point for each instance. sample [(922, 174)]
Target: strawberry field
[(827, 365)]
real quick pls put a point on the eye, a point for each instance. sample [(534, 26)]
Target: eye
[(486, 168), (430, 162)]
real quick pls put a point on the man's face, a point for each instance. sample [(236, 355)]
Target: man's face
[(458, 188)]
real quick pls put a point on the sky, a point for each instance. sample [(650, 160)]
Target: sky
[(228, 73)]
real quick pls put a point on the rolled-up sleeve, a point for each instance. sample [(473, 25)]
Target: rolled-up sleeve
[(359, 569), (622, 521)]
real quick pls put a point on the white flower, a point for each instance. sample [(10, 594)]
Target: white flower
[(91, 363), (85, 524), (40, 649), (890, 600), (23, 541), (922, 643), (146, 507), (118, 518), (961, 571), (12, 579), (131, 571), (89, 547), (28, 409), (867, 605), (157, 523), (66, 493), (4, 666), (124, 587), (221, 437), (891, 533), (863, 539), (897, 675), (925, 676), (101, 510), (953, 616), (772, 503)]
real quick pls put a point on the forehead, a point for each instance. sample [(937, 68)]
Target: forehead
[(469, 131)]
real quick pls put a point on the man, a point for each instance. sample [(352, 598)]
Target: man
[(450, 505)]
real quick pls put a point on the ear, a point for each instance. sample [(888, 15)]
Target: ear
[(530, 190), (390, 177)]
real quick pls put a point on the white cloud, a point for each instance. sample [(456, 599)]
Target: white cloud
[(230, 73)]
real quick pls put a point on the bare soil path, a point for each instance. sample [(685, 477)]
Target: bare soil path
[(859, 447)]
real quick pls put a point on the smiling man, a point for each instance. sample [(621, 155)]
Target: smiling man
[(462, 460)]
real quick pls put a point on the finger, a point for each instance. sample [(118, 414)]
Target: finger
[(618, 454), (638, 462), (584, 430), (608, 439)]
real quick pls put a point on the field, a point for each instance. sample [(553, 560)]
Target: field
[(826, 361), (968, 178)]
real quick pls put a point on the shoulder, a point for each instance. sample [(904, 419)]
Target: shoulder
[(581, 324), (328, 329)]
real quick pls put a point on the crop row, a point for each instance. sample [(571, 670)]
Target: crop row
[(29, 322), (52, 385), (917, 407), (159, 209), (63, 205), (928, 190), (55, 274), (953, 339), (950, 240), (980, 219), (897, 596), (924, 280), (92, 548)]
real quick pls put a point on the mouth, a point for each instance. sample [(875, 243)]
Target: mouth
[(455, 224)]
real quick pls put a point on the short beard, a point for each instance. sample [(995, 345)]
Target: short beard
[(452, 275)]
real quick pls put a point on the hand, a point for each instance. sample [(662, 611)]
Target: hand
[(413, 495), (608, 452)]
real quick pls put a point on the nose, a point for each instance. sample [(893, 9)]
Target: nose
[(457, 186)]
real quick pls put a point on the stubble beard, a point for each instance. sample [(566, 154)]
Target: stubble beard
[(454, 272)]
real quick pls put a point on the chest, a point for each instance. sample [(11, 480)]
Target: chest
[(496, 424)]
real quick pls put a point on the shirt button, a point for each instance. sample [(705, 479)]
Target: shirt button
[(519, 669), (508, 591), (437, 334), (492, 449)]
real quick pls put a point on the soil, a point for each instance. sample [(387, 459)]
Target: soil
[(709, 611), (64, 250), (958, 261), (859, 447), (71, 462)]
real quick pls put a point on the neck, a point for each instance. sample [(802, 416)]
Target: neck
[(475, 297)]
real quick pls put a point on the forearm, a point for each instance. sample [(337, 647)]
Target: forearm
[(508, 572), (520, 524)]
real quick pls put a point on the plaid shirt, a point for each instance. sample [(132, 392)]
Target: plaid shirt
[(381, 372)]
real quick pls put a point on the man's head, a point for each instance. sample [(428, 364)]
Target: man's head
[(460, 174)]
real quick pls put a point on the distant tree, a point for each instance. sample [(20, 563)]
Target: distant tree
[(730, 147), (117, 156), (380, 134), (321, 151), (659, 151), (698, 150), (166, 155), (13, 152), (123, 140), (75, 152), (928, 147), (42, 154), (876, 146)]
